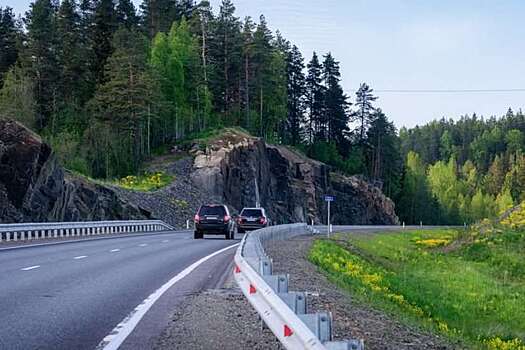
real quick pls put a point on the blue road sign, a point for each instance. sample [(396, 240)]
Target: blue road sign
[(328, 198)]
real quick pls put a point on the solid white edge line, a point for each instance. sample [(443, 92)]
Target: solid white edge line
[(119, 334), (30, 268)]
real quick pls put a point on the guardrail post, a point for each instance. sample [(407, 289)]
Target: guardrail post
[(8, 236)]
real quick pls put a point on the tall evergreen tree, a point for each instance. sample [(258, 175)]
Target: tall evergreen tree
[(383, 155), (315, 97), (335, 116), (158, 16), (9, 32), (104, 26), (294, 126), (248, 71), (42, 47), (225, 52), (126, 14), (365, 109), (69, 51)]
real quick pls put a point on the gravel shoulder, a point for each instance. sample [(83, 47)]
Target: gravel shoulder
[(216, 319)]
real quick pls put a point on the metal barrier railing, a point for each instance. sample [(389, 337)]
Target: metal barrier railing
[(34, 231), (284, 312)]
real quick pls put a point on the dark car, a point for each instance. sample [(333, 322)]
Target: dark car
[(214, 219), (252, 219)]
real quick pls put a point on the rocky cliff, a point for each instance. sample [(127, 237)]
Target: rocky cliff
[(34, 188), (235, 166)]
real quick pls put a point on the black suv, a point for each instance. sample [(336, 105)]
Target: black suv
[(252, 219), (214, 219)]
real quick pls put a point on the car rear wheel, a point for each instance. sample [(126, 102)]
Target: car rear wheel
[(198, 235)]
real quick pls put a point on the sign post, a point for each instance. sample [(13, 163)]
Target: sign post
[(329, 199)]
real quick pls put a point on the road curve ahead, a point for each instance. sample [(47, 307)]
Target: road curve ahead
[(71, 296)]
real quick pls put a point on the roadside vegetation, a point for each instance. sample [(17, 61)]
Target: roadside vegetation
[(145, 182), (466, 285)]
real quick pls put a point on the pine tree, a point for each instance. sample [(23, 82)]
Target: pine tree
[(294, 128), (364, 103), (104, 26), (9, 34), (226, 55), (248, 71), (126, 14), (383, 154), (69, 59), (158, 16), (315, 97), (185, 9), (335, 117), (262, 58), (45, 72)]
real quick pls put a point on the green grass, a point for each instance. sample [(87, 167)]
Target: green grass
[(474, 292)]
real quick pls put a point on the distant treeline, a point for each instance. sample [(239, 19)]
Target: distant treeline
[(109, 86)]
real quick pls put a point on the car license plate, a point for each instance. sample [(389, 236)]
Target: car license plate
[(252, 219), (212, 217)]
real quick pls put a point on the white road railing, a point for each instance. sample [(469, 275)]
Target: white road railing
[(282, 311), (35, 231)]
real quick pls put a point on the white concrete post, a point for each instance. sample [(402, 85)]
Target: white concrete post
[(8, 236), (23, 236), (16, 236)]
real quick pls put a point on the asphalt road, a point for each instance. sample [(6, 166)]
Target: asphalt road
[(72, 295)]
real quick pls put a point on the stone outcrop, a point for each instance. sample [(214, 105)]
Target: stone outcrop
[(233, 168), (291, 186), (34, 188)]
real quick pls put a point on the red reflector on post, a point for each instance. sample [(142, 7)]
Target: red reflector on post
[(252, 289), (287, 331), (237, 269)]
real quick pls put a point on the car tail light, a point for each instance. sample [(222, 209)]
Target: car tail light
[(227, 218), (262, 220), (197, 218)]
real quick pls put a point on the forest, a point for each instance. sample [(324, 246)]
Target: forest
[(110, 86)]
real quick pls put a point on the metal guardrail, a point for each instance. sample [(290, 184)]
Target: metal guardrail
[(33, 231), (284, 312)]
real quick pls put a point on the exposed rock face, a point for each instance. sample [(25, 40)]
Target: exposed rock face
[(292, 186), (34, 188)]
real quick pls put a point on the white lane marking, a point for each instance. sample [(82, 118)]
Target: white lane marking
[(80, 257), (119, 334), (142, 245), (30, 268), (165, 241), (114, 250)]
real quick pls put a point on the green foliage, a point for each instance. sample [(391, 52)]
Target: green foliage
[(145, 182), (474, 294)]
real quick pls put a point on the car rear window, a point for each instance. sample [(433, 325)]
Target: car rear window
[(252, 212), (212, 210)]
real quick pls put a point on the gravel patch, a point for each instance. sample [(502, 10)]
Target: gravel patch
[(352, 319), (217, 319)]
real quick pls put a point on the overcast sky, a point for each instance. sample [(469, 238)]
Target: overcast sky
[(408, 45)]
